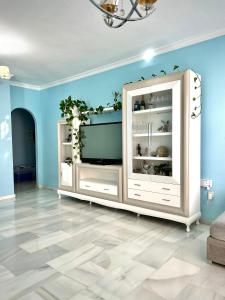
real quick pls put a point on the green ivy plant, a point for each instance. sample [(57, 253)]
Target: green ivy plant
[(68, 106), (198, 108), (83, 112)]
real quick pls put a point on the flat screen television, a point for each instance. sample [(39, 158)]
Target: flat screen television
[(102, 143)]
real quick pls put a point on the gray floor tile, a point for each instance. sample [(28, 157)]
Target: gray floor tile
[(53, 249)]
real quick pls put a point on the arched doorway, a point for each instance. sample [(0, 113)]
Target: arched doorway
[(24, 149)]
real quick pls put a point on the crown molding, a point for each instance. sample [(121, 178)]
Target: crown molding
[(120, 63), (26, 85)]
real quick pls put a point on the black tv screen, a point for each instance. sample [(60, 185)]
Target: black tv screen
[(102, 143)]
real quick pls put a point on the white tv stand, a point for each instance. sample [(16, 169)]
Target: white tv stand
[(103, 185)]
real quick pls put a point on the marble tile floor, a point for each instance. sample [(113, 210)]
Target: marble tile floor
[(53, 249)]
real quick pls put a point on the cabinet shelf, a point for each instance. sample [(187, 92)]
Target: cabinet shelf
[(153, 134), (153, 110), (153, 158), (67, 143), (99, 181)]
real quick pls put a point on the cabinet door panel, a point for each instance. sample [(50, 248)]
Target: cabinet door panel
[(66, 175), (153, 133)]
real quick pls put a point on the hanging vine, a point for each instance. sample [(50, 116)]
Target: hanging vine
[(78, 109), (196, 112)]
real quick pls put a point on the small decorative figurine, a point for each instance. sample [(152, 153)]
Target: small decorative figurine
[(142, 106), (146, 151), (145, 167), (165, 127), (136, 105), (153, 153), (150, 104), (68, 161), (139, 150), (163, 169)]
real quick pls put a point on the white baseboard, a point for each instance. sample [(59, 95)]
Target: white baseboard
[(40, 186), (8, 197)]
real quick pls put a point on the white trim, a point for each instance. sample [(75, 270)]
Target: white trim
[(13, 196), (26, 85), (40, 186), (163, 49)]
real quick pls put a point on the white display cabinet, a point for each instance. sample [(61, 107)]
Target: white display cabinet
[(162, 146), (160, 175)]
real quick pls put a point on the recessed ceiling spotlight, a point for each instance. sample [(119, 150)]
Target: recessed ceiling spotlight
[(148, 54), (5, 73), (12, 45)]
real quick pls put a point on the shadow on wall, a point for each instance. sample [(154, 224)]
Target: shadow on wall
[(4, 133), (23, 139)]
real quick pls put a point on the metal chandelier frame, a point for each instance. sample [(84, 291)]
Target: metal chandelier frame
[(110, 17)]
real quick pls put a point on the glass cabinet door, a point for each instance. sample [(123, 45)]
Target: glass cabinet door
[(153, 129)]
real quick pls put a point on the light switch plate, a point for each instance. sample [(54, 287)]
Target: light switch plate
[(207, 183)]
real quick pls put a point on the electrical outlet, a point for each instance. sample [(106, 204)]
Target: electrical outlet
[(211, 195), (207, 183)]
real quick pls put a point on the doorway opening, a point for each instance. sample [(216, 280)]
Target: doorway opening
[(24, 149)]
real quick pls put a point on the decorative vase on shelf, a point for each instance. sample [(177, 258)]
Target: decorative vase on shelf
[(162, 151)]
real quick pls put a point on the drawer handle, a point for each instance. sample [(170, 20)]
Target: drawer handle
[(136, 184), (166, 189), (137, 195), (106, 189), (167, 200), (87, 186)]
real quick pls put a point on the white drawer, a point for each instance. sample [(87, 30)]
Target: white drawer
[(98, 187), (156, 187), (162, 199)]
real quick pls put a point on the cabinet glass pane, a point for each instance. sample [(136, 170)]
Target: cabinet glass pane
[(152, 133)]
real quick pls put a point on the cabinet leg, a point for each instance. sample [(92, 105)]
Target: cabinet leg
[(59, 196), (138, 215), (188, 228), (197, 222), (90, 203)]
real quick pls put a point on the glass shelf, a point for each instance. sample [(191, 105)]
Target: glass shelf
[(153, 158), (153, 134), (153, 110)]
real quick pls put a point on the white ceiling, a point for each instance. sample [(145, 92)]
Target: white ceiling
[(62, 38)]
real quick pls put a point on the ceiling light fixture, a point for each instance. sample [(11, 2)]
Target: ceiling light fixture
[(114, 11), (148, 54), (5, 73)]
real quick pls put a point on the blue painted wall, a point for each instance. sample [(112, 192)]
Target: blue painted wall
[(31, 101), (207, 58), (6, 159)]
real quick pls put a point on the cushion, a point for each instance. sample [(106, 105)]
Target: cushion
[(217, 229)]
